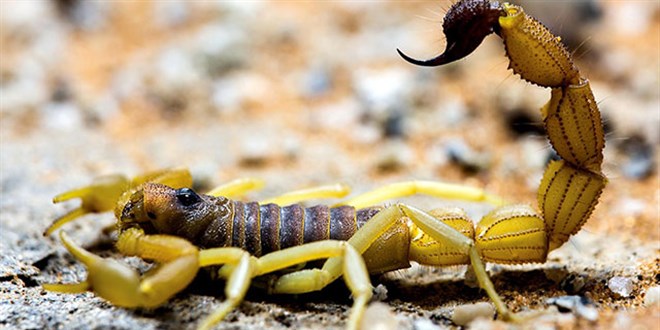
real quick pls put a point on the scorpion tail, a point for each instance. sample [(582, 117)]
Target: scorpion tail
[(466, 25)]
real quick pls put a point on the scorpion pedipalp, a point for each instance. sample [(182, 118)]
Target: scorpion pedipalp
[(466, 25)]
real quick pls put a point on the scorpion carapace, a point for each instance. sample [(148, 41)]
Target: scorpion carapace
[(161, 219)]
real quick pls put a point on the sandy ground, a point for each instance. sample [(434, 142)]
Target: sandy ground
[(301, 94)]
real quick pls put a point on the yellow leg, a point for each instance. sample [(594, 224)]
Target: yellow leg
[(431, 188), (438, 230), (104, 192), (296, 196), (121, 285), (238, 280), (173, 177), (441, 233), (236, 188), (354, 270)]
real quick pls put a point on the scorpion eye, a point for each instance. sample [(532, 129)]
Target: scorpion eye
[(187, 196)]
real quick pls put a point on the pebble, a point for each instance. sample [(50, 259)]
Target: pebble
[(425, 324), (380, 91), (316, 82), (394, 155), (639, 163), (170, 14), (652, 296), (576, 304), (621, 286), (464, 314), (380, 293), (468, 159), (556, 274), (378, 316)]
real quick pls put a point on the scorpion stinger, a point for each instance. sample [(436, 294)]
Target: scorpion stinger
[(466, 25)]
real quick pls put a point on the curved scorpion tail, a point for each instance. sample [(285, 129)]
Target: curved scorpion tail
[(466, 25)]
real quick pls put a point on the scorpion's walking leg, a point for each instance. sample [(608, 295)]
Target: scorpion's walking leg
[(236, 188), (432, 188), (121, 285), (354, 270), (321, 192), (102, 195), (441, 232), (379, 224)]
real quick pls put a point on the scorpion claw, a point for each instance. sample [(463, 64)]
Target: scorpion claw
[(100, 196), (466, 25)]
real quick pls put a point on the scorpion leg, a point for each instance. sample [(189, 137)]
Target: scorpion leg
[(238, 280), (320, 192), (432, 188), (373, 229), (441, 232), (354, 270), (236, 188), (239, 187), (121, 285)]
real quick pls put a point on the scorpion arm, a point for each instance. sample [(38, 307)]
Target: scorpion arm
[(121, 285), (106, 192)]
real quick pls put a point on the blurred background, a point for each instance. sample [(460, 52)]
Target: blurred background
[(301, 93)]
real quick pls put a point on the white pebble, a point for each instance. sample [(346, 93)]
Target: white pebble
[(378, 316), (465, 314), (425, 324), (380, 293), (621, 286), (652, 296)]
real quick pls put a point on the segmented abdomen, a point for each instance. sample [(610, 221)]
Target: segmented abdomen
[(260, 229)]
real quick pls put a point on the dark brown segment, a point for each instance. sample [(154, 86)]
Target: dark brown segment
[(364, 215), (252, 229), (238, 234), (291, 226), (343, 223), (270, 228), (317, 223)]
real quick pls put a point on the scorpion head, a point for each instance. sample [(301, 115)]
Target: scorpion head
[(157, 208), (466, 24)]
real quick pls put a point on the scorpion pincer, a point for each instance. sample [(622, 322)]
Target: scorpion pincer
[(160, 218)]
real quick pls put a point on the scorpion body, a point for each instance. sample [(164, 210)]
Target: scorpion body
[(160, 218)]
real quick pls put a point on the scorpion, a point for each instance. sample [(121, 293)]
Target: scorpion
[(160, 218)]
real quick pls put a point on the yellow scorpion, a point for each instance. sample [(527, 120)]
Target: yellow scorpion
[(160, 218)]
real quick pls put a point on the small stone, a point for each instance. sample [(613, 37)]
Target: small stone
[(425, 324), (468, 159), (395, 155), (652, 296), (556, 274), (380, 293), (577, 305), (621, 286), (378, 316), (465, 314)]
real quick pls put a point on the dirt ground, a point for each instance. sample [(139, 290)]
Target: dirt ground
[(301, 94)]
